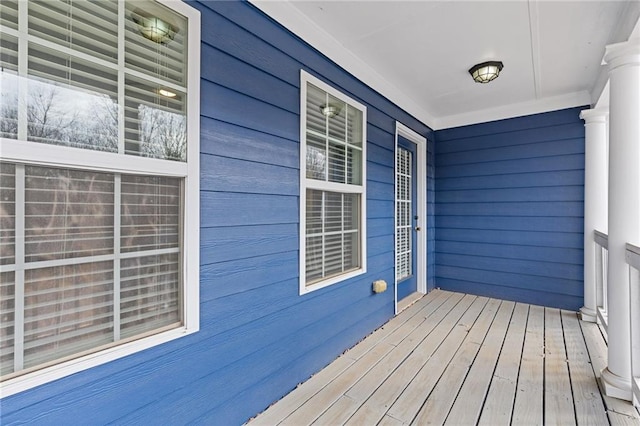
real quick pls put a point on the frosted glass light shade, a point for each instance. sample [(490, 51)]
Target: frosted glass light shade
[(153, 28), (486, 71)]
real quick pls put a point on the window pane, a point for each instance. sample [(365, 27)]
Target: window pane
[(337, 165), (8, 87), (68, 213), (354, 166), (9, 14), (333, 254), (351, 250), (155, 124), (316, 157), (150, 213), (67, 309), (7, 213), (156, 41), (337, 122), (316, 99), (354, 126), (333, 212), (333, 238), (71, 102), (150, 293), (8, 52), (7, 318), (86, 26), (351, 212), (314, 211), (313, 253)]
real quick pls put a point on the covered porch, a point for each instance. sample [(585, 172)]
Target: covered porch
[(451, 358)]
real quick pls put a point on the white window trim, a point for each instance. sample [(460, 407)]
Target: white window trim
[(42, 154), (306, 183)]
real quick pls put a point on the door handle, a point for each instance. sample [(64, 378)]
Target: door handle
[(417, 228)]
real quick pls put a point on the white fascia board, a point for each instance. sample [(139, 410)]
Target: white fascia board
[(299, 24), (515, 110)]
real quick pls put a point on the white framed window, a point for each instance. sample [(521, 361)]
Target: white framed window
[(99, 181), (332, 185)]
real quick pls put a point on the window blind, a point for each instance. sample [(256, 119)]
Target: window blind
[(7, 321), (85, 26), (9, 14), (163, 60), (404, 224), (70, 259), (332, 233), (73, 101), (334, 141), (7, 213), (67, 309), (333, 174), (155, 126)]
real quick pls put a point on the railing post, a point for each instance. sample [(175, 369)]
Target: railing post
[(623, 61), (595, 202), (601, 255), (633, 259)]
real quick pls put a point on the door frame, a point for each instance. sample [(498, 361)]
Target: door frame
[(421, 180)]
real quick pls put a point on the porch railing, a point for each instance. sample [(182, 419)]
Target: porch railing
[(602, 265), (633, 259)]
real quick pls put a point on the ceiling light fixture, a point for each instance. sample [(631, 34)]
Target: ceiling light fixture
[(167, 93), (330, 110), (153, 28), (486, 71)]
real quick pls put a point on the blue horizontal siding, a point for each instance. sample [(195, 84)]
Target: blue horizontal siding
[(509, 209), (259, 338)]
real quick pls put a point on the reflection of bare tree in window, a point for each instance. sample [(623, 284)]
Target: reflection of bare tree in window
[(45, 123), (316, 163), (60, 116), (8, 116), (163, 133), (105, 130)]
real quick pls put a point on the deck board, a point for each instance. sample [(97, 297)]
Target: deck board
[(498, 405), (558, 401), (528, 405), (460, 359), (468, 405)]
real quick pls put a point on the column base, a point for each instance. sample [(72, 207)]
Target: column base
[(588, 315), (615, 386)]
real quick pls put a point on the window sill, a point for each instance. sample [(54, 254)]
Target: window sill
[(304, 289)]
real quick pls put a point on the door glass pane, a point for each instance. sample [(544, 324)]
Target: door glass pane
[(404, 220)]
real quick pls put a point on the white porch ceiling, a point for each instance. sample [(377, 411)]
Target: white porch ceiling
[(417, 53)]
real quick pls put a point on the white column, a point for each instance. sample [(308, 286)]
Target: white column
[(623, 60), (595, 200)]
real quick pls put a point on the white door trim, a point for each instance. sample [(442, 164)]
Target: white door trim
[(421, 178)]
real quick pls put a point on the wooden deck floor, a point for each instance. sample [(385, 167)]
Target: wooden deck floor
[(458, 359)]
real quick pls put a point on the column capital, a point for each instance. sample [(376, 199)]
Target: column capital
[(621, 54), (596, 115)]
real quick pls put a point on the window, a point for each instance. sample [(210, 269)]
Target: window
[(332, 189), (99, 182)]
